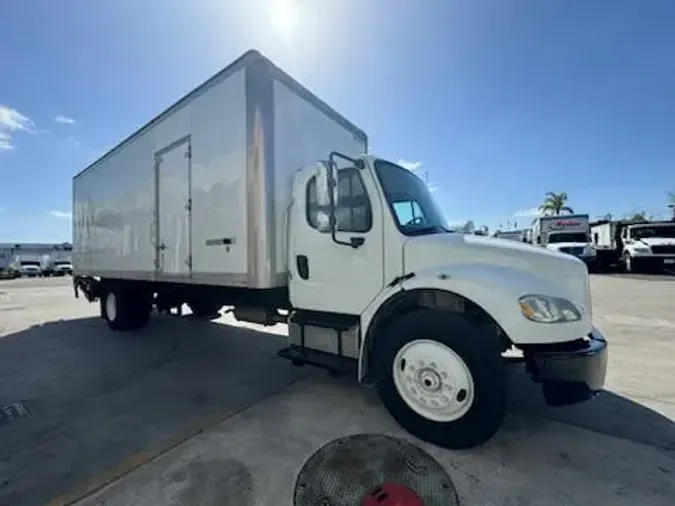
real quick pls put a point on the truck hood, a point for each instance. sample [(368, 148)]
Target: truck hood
[(448, 250), (658, 241)]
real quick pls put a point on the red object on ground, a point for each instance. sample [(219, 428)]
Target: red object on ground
[(391, 494)]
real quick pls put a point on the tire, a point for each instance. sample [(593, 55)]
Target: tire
[(629, 265), (471, 352), (122, 309), (205, 308)]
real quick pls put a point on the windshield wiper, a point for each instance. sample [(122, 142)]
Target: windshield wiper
[(432, 229)]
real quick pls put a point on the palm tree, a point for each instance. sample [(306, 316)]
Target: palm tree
[(555, 204)]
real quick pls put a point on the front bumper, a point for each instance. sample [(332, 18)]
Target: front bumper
[(654, 261), (570, 372)]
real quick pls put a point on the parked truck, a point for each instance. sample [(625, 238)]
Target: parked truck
[(567, 234), (57, 263), (27, 264), (252, 193), (635, 246)]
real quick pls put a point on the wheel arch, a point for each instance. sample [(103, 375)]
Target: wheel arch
[(404, 301)]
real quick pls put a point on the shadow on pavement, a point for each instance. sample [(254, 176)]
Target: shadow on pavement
[(608, 413), (101, 403)]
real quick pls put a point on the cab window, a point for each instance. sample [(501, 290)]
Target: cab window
[(353, 209)]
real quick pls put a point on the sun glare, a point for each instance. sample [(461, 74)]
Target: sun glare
[(284, 16)]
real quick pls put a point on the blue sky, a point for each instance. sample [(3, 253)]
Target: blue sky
[(500, 101)]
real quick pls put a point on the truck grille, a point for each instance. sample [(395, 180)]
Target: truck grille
[(576, 251), (660, 250)]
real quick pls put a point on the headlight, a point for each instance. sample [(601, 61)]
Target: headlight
[(590, 251), (642, 250), (546, 309)]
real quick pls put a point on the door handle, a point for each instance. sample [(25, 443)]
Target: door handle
[(162, 247), (302, 263)]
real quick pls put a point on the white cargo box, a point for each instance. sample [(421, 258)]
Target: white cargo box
[(199, 194)]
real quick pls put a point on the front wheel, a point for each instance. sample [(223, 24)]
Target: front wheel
[(629, 264), (444, 379)]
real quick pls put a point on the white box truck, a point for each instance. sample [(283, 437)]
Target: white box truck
[(567, 234), (27, 264), (635, 246), (57, 263), (251, 192)]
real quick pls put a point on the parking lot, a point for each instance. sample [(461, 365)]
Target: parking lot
[(204, 413)]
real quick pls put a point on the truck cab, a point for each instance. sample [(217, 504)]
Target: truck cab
[(567, 234), (431, 311), (648, 246), (27, 265)]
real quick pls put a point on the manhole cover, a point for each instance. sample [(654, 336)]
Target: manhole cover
[(373, 469), (11, 412)]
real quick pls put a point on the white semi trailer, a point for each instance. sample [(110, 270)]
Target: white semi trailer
[(251, 192)]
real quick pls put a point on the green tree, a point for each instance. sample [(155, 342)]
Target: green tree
[(639, 216), (555, 203)]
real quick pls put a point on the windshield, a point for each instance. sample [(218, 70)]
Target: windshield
[(567, 237), (666, 231), (411, 203)]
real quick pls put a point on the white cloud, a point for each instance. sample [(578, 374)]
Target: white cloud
[(65, 120), (527, 213), (5, 142), (11, 121), (407, 164), (61, 214)]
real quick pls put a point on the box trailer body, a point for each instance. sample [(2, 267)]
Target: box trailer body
[(5, 258), (568, 234), (635, 246), (251, 192), (199, 194)]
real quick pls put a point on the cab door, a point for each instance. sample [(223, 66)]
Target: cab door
[(342, 274)]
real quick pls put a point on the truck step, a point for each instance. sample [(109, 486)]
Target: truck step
[(334, 364)]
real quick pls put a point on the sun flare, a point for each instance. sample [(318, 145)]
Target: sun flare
[(284, 16)]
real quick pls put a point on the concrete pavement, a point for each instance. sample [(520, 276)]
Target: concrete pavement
[(107, 405)]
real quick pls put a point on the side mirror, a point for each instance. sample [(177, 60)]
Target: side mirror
[(326, 187)]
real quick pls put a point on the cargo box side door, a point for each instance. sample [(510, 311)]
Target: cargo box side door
[(173, 209)]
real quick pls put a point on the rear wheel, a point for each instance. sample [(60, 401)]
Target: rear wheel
[(444, 378), (124, 309)]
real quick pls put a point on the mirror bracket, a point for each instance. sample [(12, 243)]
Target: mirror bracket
[(327, 182)]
